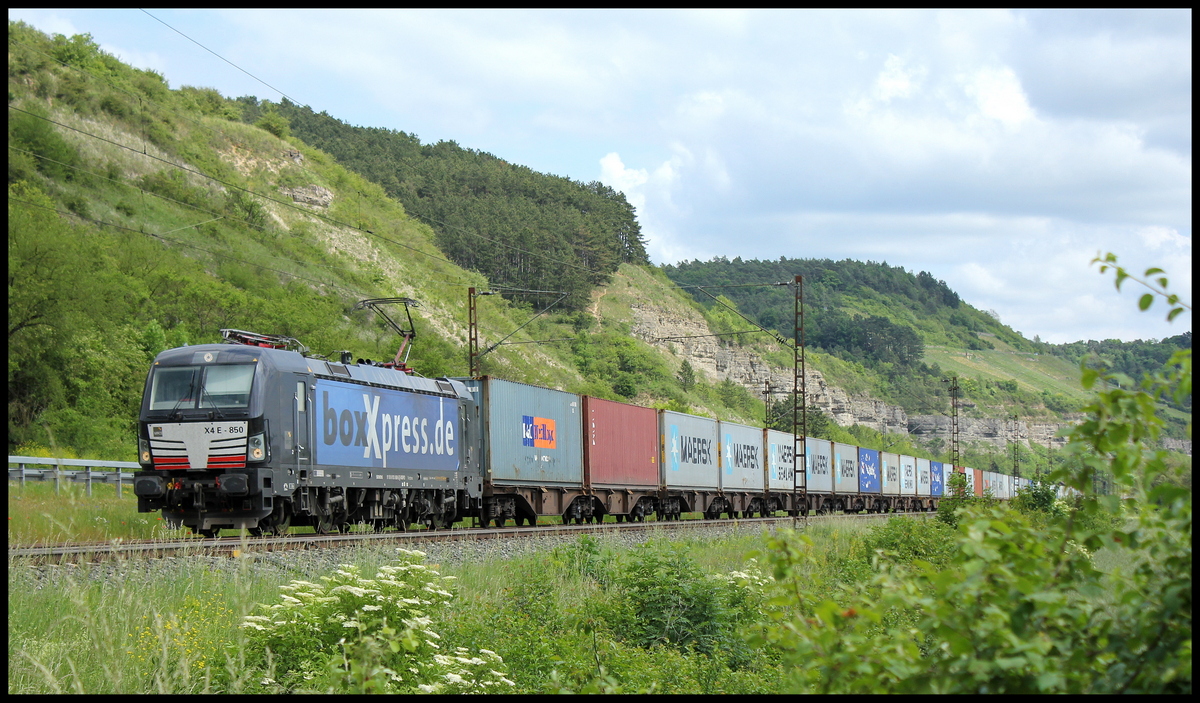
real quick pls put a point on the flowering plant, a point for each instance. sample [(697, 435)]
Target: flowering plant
[(355, 634)]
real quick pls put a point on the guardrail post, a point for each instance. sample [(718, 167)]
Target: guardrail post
[(120, 480), (22, 467), (56, 479), (87, 478)]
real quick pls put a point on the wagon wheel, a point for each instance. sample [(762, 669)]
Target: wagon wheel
[(212, 534), (323, 524)]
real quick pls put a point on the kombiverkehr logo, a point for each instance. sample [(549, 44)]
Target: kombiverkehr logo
[(538, 432)]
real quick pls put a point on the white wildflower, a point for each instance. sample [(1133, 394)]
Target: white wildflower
[(255, 625), (490, 654), (372, 607), (427, 688), (350, 623), (360, 592), (453, 678), (267, 681)]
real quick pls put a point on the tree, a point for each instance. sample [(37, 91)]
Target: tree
[(687, 377), (1023, 608)]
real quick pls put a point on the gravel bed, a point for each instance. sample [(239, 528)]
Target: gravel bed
[(312, 563)]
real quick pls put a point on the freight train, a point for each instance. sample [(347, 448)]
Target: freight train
[(255, 433)]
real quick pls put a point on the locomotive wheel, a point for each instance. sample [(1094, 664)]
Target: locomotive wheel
[(281, 526)]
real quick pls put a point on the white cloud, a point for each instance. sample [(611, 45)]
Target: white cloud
[(998, 93), (896, 80)]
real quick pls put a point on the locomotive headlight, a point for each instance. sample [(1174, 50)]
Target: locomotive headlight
[(257, 448), (144, 451)]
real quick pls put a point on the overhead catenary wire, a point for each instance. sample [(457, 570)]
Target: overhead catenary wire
[(430, 220)]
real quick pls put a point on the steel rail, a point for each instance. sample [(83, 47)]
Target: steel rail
[(242, 545)]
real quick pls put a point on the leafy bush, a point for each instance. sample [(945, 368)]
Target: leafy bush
[(665, 599), (1022, 608), (358, 635)]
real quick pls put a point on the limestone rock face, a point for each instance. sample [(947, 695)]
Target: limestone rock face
[(310, 195), (687, 336)]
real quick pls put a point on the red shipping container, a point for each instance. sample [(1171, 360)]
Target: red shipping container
[(620, 444)]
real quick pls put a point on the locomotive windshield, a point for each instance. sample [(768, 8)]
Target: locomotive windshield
[(191, 387)]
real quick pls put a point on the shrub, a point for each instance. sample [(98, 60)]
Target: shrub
[(360, 635)]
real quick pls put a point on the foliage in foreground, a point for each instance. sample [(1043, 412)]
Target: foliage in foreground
[(1024, 610), (359, 635)]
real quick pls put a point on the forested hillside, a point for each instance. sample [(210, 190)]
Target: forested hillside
[(142, 218), (888, 323), (520, 228)]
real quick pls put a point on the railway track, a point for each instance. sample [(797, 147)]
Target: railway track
[(238, 546)]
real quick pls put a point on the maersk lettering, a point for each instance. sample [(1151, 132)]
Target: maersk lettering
[(394, 429), (695, 450), (741, 456), (849, 471)]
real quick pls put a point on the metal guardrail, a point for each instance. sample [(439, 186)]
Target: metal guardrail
[(55, 471)]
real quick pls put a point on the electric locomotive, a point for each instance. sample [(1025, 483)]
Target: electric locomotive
[(255, 433)]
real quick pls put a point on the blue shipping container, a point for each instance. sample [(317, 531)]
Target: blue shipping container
[(868, 471)]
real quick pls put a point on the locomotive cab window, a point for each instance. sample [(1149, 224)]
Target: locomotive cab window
[(190, 387)]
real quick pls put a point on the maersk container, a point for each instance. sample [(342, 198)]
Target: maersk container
[(779, 462), (923, 477), (845, 468), (948, 470), (889, 473), (741, 457), (908, 475), (868, 471), (936, 478), (819, 460), (532, 435), (975, 481), (620, 444), (689, 445)]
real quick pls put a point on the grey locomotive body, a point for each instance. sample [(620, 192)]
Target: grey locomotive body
[(263, 438)]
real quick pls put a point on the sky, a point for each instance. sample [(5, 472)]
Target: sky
[(1000, 151)]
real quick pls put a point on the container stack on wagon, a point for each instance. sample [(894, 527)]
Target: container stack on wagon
[(332, 444)]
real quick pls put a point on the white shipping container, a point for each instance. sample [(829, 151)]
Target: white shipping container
[(845, 467), (908, 475), (780, 446), (819, 461), (923, 477), (741, 457), (889, 473)]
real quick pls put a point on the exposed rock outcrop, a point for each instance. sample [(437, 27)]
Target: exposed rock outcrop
[(310, 195), (686, 335)]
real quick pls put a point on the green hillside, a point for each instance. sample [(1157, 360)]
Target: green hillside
[(896, 335), (143, 218)]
